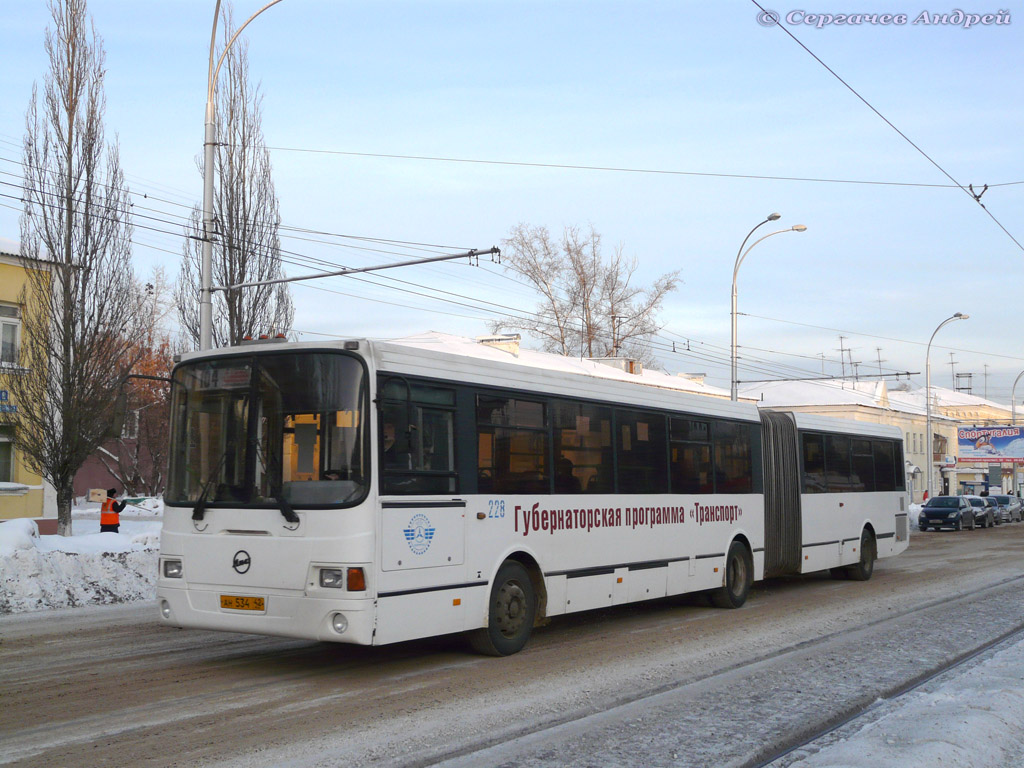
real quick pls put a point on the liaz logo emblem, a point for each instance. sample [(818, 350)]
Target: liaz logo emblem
[(241, 561), (419, 534)]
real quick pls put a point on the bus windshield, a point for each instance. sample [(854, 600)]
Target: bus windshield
[(253, 431)]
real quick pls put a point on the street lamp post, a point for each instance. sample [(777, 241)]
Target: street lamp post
[(740, 256), (1013, 400), (209, 142), (930, 456), (1013, 420)]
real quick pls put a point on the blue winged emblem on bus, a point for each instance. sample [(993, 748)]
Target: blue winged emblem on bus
[(419, 534)]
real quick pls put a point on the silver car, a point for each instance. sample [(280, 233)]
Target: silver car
[(1009, 508)]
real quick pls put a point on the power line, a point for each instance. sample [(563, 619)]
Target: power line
[(413, 245), (623, 169), (976, 198), (884, 338)]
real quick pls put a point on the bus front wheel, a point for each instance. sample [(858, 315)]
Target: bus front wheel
[(739, 575), (510, 613)]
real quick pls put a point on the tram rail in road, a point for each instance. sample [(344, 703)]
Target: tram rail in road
[(756, 712), (867, 714)]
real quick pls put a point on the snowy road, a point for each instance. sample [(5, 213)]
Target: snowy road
[(665, 683)]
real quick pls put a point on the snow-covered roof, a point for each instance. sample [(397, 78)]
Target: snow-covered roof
[(9, 247), (837, 393), (774, 394), (945, 398), (468, 347)]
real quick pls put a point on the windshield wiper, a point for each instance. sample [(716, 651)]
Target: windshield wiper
[(200, 508), (277, 494), (286, 509)]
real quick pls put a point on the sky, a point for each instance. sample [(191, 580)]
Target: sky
[(354, 92)]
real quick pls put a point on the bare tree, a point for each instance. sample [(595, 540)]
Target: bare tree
[(80, 315), (137, 455), (589, 305), (246, 212)]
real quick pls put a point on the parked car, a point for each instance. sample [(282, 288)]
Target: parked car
[(984, 510), (1010, 507), (953, 512), (990, 501)]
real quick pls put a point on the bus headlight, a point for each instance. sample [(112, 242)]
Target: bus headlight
[(165, 609), (172, 569), (339, 623), (333, 578)]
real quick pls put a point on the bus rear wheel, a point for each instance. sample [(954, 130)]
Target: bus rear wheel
[(862, 570), (510, 613), (739, 575)]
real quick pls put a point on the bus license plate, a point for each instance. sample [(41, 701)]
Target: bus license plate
[(243, 603)]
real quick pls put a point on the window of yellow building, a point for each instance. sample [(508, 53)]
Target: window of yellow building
[(10, 327), (6, 454)]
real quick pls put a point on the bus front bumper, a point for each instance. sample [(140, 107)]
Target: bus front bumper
[(302, 616)]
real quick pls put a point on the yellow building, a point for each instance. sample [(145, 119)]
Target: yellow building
[(969, 410), (23, 493)]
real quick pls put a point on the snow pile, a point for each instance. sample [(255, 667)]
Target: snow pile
[(914, 514), (87, 568)]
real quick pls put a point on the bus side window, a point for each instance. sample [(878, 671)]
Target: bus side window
[(814, 464), (512, 445), (863, 466), (417, 439), (733, 462), (690, 456), (885, 469), (837, 463), (583, 439), (642, 467)]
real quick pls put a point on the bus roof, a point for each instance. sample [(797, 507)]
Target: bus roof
[(505, 364)]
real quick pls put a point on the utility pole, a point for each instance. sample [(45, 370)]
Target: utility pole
[(853, 363), (952, 369), (842, 354), (878, 351), (615, 341)]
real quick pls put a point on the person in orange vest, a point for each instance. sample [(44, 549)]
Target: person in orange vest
[(110, 513)]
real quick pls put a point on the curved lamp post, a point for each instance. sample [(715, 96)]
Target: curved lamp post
[(205, 303), (930, 456), (740, 256), (1013, 400), (1013, 419)]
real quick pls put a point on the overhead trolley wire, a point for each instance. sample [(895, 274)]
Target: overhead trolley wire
[(623, 169), (888, 122)]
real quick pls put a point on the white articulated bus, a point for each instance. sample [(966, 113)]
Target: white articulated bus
[(377, 491)]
